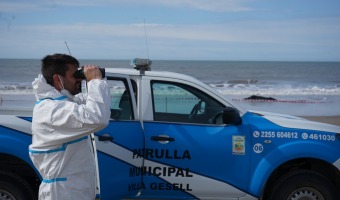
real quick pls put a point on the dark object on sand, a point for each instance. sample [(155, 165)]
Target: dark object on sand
[(255, 97)]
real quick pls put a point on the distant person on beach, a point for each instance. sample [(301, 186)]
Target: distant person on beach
[(62, 126)]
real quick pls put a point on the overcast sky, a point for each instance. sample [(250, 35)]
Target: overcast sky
[(273, 30)]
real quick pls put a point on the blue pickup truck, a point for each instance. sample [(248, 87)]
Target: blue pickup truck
[(173, 137)]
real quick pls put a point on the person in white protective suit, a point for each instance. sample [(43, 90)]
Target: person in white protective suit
[(62, 124)]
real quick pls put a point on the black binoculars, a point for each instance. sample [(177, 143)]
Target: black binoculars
[(80, 73)]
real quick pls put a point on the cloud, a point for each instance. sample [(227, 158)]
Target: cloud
[(305, 32), (206, 5), (40, 5), (10, 7), (239, 37)]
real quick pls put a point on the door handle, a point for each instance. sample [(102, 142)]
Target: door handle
[(105, 137), (162, 138)]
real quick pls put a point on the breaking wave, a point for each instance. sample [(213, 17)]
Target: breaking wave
[(232, 87), (257, 87)]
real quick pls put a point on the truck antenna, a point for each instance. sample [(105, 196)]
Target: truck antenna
[(68, 48), (146, 40)]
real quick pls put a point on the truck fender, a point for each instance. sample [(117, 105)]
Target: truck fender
[(17, 148), (294, 150), (15, 137)]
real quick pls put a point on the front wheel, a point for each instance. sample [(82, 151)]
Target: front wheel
[(13, 187), (303, 185)]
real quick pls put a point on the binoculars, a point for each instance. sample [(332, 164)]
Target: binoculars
[(80, 73)]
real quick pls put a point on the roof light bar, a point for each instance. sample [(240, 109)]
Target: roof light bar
[(141, 64)]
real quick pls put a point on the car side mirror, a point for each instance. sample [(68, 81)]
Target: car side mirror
[(231, 116)]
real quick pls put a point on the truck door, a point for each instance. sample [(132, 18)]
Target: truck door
[(188, 151), (116, 143)]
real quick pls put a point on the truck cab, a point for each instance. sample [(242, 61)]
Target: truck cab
[(173, 137)]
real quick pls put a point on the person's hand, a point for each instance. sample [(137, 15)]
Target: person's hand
[(92, 72)]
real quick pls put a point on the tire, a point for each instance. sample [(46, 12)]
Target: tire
[(304, 184), (13, 187)]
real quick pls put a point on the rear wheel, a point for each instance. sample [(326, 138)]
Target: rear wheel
[(303, 185), (13, 187)]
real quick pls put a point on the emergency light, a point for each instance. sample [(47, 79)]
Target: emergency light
[(142, 65)]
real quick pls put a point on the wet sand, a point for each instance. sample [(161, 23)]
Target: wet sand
[(335, 120)]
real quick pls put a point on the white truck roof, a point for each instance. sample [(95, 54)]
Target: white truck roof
[(167, 74)]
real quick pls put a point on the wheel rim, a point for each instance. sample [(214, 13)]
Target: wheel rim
[(4, 195), (306, 193)]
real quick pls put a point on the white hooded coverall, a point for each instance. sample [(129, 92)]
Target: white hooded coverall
[(61, 148)]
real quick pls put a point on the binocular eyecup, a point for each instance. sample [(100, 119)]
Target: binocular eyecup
[(80, 73)]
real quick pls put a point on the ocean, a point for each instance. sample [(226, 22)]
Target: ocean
[(295, 88)]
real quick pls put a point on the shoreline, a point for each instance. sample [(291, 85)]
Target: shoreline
[(334, 120)]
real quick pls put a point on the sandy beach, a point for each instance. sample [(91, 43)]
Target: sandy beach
[(335, 120)]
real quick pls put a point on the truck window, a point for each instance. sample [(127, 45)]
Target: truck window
[(121, 104), (174, 102)]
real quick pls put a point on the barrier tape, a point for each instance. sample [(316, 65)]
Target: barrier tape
[(282, 101), (171, 99)]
